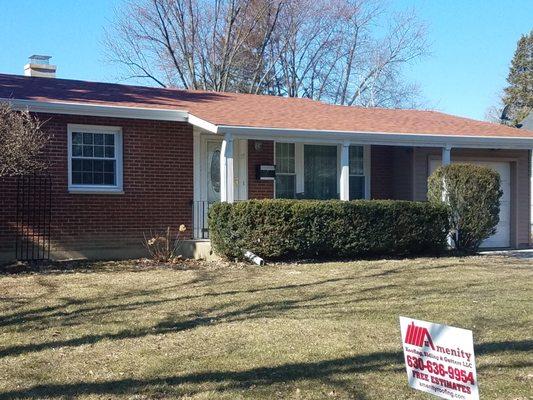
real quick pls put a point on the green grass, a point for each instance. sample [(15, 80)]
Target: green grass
[(309, 331)]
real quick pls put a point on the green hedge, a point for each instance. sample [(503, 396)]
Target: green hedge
[(333, 229)]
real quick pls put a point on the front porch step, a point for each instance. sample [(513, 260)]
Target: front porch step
[(199, 249)]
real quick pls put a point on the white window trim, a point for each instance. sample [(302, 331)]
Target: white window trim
[(300, 171), (367, 164), (96, 189), (295, 173), (366, 169)]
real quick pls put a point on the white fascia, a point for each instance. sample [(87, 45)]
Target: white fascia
[(203, 124), (97, 110), (379, 138), (294, 135)]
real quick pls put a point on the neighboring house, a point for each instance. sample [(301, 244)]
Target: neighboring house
[(527, 123), (127, 159)]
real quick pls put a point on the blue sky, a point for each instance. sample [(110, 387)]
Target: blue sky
[(472, 43)]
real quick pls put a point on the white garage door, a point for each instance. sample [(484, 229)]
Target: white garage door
[(502, 237)]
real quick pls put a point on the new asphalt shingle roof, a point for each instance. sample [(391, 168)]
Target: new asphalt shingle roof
[(252, 110)]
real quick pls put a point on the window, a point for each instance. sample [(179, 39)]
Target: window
[(285, 171), (357, 173), (95, 158), (320, 176)]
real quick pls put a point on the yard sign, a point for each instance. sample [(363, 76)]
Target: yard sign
[(439, 359)]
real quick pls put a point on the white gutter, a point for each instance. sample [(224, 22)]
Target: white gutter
[(378, 138), (294, 135), (97, 110)]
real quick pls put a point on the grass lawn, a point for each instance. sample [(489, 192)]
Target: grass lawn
[(308, 331)]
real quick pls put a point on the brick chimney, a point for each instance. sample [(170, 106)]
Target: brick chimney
[(39, 65)]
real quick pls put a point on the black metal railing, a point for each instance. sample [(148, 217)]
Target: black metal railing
[(33, 219), (200, 210)]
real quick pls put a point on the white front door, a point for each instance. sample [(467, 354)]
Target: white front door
[(502, 237), (212, 170), (207, 183)]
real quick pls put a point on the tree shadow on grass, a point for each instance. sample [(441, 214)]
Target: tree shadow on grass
[(210, 316), (226, 312), (95, 308), (325, 372), (332, 372), (508, 345)]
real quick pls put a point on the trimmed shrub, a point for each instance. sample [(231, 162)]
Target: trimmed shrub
[(473, 195), (305, 229)]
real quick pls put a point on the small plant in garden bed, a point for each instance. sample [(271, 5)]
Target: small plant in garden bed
[(164, 247)]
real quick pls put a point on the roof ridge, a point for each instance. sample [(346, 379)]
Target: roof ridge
[(166, 89), (40, 78)]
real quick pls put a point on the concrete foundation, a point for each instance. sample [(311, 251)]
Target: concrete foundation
[(195, 249)]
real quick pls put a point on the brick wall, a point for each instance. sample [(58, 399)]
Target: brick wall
[(158, 186), (265, 155), (402, 167), (381, 173)]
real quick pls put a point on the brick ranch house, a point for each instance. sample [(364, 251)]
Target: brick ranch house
[(126, 160)]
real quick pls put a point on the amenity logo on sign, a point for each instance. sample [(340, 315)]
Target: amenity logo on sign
[(439, 359), (417, 336)]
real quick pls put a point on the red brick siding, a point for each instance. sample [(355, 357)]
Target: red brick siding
[(402, 170), (158, 185), (259, 189), (381, 172)]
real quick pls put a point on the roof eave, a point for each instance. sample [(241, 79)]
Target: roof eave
[(281, 134), (379, 138), (202, 124), (97, 110)]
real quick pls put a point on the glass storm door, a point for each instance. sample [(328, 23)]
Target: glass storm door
[(213, 170)]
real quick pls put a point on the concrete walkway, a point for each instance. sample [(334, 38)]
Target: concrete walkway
[(525, 254)]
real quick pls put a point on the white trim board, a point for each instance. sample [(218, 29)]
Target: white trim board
[(276, 134), (378, 138), (203, 124), (97, 110)]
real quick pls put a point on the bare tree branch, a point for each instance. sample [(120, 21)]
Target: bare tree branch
[(348, 52), (22, 142)]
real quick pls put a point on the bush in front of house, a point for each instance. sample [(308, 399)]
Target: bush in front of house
[(332, 229), (473, 195)]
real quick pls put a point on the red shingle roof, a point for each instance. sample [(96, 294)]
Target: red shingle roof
[(252, 110)]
